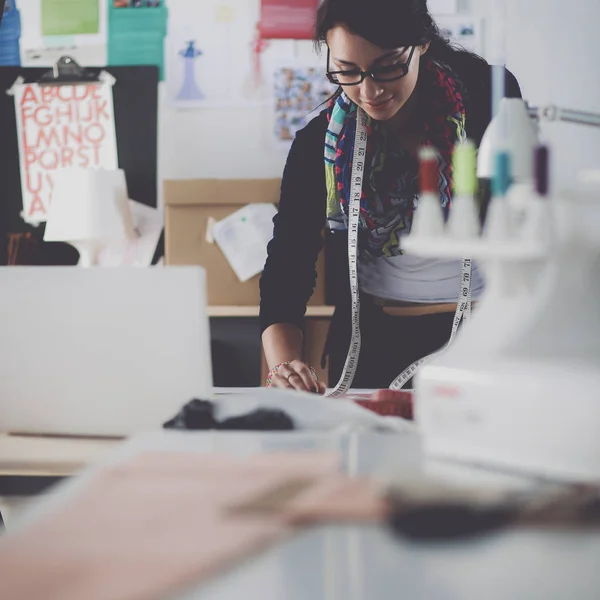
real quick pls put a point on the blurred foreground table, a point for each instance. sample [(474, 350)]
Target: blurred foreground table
[(370, 562)]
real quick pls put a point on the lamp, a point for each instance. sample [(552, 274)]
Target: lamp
[(511, 130), (514, 130), (89, 209)]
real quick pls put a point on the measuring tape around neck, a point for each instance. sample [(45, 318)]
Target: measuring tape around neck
[(463, 308), (358, 172)]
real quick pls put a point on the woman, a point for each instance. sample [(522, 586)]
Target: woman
[(389, 61)]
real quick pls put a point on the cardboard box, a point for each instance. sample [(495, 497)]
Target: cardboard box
[(189, 204)]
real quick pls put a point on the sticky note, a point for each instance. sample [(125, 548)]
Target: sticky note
[(225, 14)]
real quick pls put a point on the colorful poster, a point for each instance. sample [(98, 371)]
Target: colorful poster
[(299, 92), (70, 17), (288, 19), (139, 251), (61, 127)]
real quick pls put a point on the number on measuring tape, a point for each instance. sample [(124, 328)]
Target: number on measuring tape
[(360, 152), (463, 309)]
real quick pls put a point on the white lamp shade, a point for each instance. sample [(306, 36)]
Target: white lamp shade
[(89, 205), (514, 131)]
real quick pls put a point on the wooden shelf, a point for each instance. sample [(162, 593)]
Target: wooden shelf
[(320, 311), (252, 311), (39, 456)]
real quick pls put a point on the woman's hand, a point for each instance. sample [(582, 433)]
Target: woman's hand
[(296, 375)]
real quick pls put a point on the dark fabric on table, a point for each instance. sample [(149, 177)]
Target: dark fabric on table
[(199, 415)]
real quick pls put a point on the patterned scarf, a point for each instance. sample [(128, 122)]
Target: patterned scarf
[(390, 192)]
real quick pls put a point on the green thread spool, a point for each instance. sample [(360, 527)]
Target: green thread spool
[(464, 165)]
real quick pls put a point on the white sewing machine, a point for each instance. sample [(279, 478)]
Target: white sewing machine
[(520, 386)]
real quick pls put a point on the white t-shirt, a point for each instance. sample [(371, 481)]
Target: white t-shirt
[(410, 278)]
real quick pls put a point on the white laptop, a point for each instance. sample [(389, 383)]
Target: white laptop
[(101, 351)]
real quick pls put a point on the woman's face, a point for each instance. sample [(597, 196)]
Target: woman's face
[(380, 100)]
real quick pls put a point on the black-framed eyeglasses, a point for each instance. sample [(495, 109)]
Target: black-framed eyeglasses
[(392, 72)]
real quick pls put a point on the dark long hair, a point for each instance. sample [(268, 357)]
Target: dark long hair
[(388, 24)]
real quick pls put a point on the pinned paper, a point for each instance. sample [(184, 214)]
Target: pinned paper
[(58, 128), (243, 237), (225, 14), (65, 17), (210, 223), (139, 251), (288, 19)]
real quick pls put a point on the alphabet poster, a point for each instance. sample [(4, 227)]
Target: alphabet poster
[(61, 127)]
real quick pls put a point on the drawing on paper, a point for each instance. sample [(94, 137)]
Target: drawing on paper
[(234, 66), (254, 85), (189, 89)]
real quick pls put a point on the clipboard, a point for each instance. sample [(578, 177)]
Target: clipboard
[(66, 71), (135, 96)]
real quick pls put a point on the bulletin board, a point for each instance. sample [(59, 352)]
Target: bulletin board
[(135, 107)]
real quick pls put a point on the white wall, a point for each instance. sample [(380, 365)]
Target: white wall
[(553, 48), (222, 143)]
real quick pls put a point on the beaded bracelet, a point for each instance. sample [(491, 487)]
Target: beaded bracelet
[(276, 369)]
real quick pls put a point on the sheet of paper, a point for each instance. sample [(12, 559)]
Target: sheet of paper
[(70, 17), (61, 127), (218, 58), (288, 19), (300, 89), (243, 237), (139, 252)]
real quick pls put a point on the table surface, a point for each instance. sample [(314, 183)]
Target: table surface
[(59, 456), (369, 562), (39, 456)]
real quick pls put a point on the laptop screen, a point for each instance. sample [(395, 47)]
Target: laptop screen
[(108, 352)]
